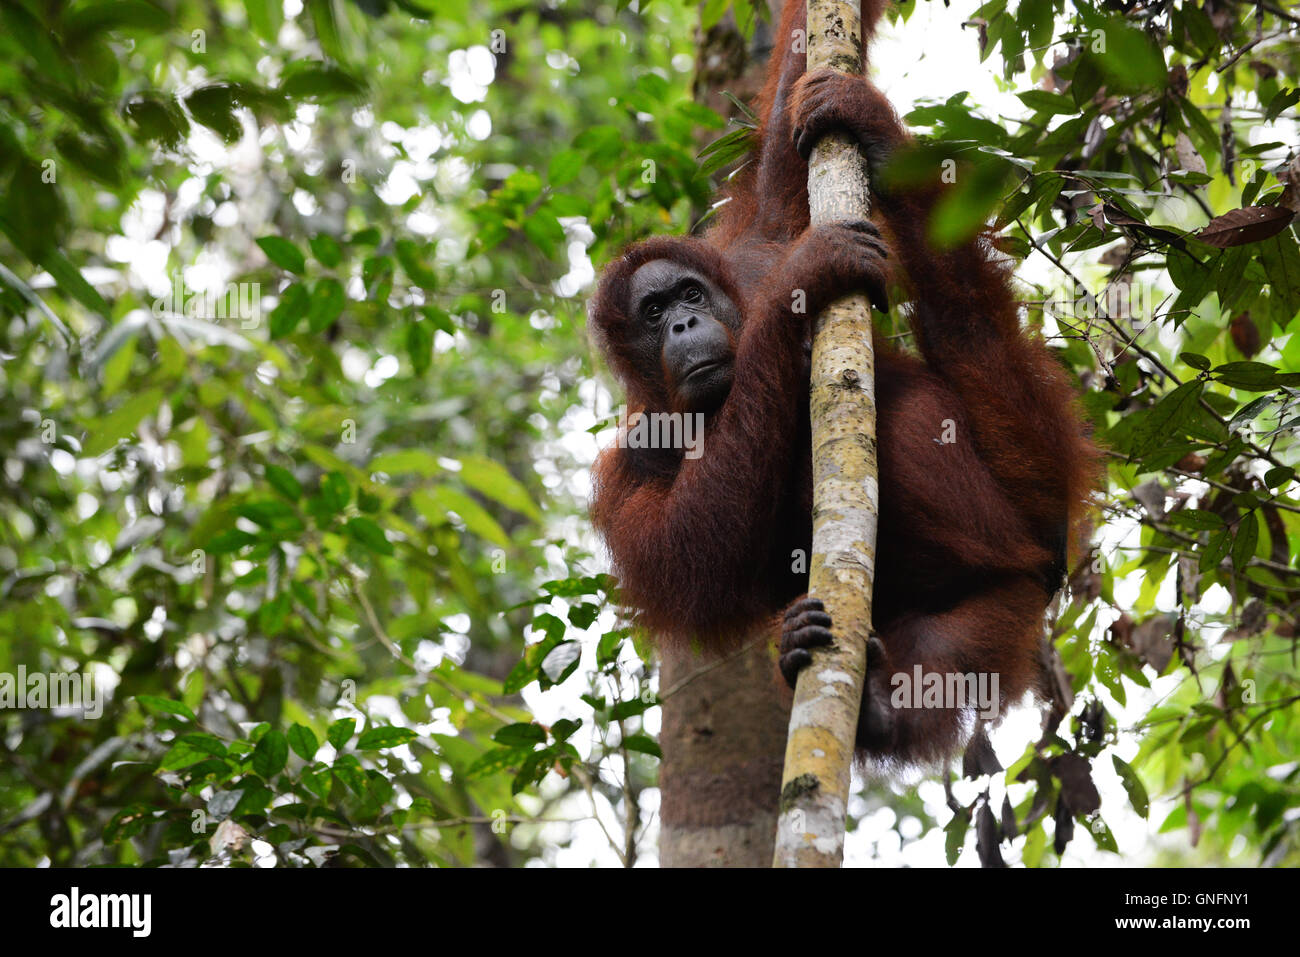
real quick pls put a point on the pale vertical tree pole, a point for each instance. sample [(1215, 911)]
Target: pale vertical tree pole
[(846, 496)]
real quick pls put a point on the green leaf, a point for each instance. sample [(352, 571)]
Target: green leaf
[(231, 540), (626, 709), (607, 649), (552, 627), (544, 230), (35, 40), (583, 614), (340, 731), (560, 662), (194, 442), (1280, 258), (962, 212), (157, 705), (603, 145), (270, 755), (411, 255), (1137, 793), (1101, 834), (1193, 278), (214, 106), (326, 250), (303, 741), (1196, 519), (270, 514), (407, 461), (34, 215), (1215, 549), (7, 278), (348, 771), (1126, 57), (579, 586), (384, 736), (565, 167), (956, 835), (118, 367), (188, 751), (327, 28), (1166, 417), (305, 79), (522, 674), (1041, 101), (1278, 475), (1252, 376), (492, 479), (367, 533), (115, 15), (1244, 542), (1250, 412), (282, 480), (283, 253), (208, 743), (293, 305), (565, 728), (520, 735), (495, 760), (642, 743), (266, 17), (121, 422), (257, 797), (335, 491), (419, 345), (726, 150), (327, 301), (273, 614), (435, 503)]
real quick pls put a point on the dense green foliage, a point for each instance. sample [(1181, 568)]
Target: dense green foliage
[(300, 536)]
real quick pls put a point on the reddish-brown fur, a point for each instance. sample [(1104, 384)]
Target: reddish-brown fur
[(970, 531)]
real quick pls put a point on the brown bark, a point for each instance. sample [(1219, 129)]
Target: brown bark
[(723, 736)]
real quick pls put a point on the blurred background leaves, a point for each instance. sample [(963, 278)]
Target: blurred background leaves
[(296, 409)]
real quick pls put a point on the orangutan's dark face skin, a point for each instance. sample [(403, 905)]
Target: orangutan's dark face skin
[(689, 323)]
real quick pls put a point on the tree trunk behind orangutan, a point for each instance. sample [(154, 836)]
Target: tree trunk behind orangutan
[(723, 740), (724, 733)]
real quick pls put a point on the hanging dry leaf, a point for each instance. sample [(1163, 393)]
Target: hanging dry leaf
[(1064, 825), (1250, 224), (1150, 641), (1151, 496), (979, 758), (1093, 138), (228, 836), (986, 838), (1245, 334), (1188, 158), (1178, 80), (1075, 774), (1010, 829)]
